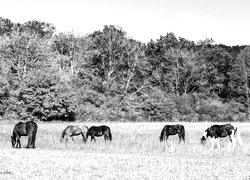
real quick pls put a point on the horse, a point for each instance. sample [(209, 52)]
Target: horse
[(71, 131), (99, 131), (222, 131), (29, 129), (169, 130)]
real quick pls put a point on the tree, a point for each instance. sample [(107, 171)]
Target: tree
[(68, 50), (205, 42), (180, 72), (43, 29), (188, 71), (243, 60), (219, 67), (111, 51), (5, 26), (23, 52)]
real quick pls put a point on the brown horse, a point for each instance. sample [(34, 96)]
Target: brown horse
[(170, 130), (99, 131), (71, 131), (29, 129)]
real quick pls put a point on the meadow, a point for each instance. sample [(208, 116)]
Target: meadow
[(134, 153)]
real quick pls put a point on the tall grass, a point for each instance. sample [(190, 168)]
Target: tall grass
[(131, 138), (134, 153)]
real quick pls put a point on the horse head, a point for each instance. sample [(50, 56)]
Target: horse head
[(161, 138), (205, 136)]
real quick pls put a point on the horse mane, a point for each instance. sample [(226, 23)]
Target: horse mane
[(63, 134)]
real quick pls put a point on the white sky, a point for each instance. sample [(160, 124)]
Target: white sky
[(226, 21)]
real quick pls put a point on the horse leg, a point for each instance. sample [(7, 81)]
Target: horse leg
[(33, 140), (166, 138), (229, 143), (105, 137), (66, 140), (233, 142), (218, 143), (212, 141), (18, 142), (93, 138), (180, 138), (29, 141)]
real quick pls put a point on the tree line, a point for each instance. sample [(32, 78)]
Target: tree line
[(108, 76)]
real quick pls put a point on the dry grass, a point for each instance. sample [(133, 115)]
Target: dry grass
[(135, 153)]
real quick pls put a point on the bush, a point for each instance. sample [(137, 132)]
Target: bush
[(215, 110)]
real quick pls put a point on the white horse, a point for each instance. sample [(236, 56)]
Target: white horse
[(221, 131), (74, 130)]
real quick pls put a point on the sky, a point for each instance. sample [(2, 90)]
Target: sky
[(225, 21)]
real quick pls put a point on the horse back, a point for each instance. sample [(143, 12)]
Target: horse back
[(222, 130), (73, 130), (174, 129), (98, 130), (105, 128), (24, 128)]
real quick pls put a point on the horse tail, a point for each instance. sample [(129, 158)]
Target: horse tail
[(110, 136), (237, 135), (183, 133)]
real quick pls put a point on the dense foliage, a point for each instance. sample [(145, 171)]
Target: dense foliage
[(107, 76)]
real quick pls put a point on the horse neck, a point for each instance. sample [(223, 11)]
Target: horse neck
[(64, 133), (162, 134)]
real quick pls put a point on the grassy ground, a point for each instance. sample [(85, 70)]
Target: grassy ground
[(135, 153)]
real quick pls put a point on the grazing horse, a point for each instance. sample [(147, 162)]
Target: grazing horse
[(71, 131), (173, 130), (222, 131), (99, 131), (29, 129)]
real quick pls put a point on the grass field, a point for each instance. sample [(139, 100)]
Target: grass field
[(134, 153)]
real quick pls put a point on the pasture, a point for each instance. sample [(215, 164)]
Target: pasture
[(134, 153)]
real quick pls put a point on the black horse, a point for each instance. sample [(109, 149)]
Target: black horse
[(99, 131), (29, 129), (169, 130)]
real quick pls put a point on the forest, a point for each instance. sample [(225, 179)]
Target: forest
[(108, 76)]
